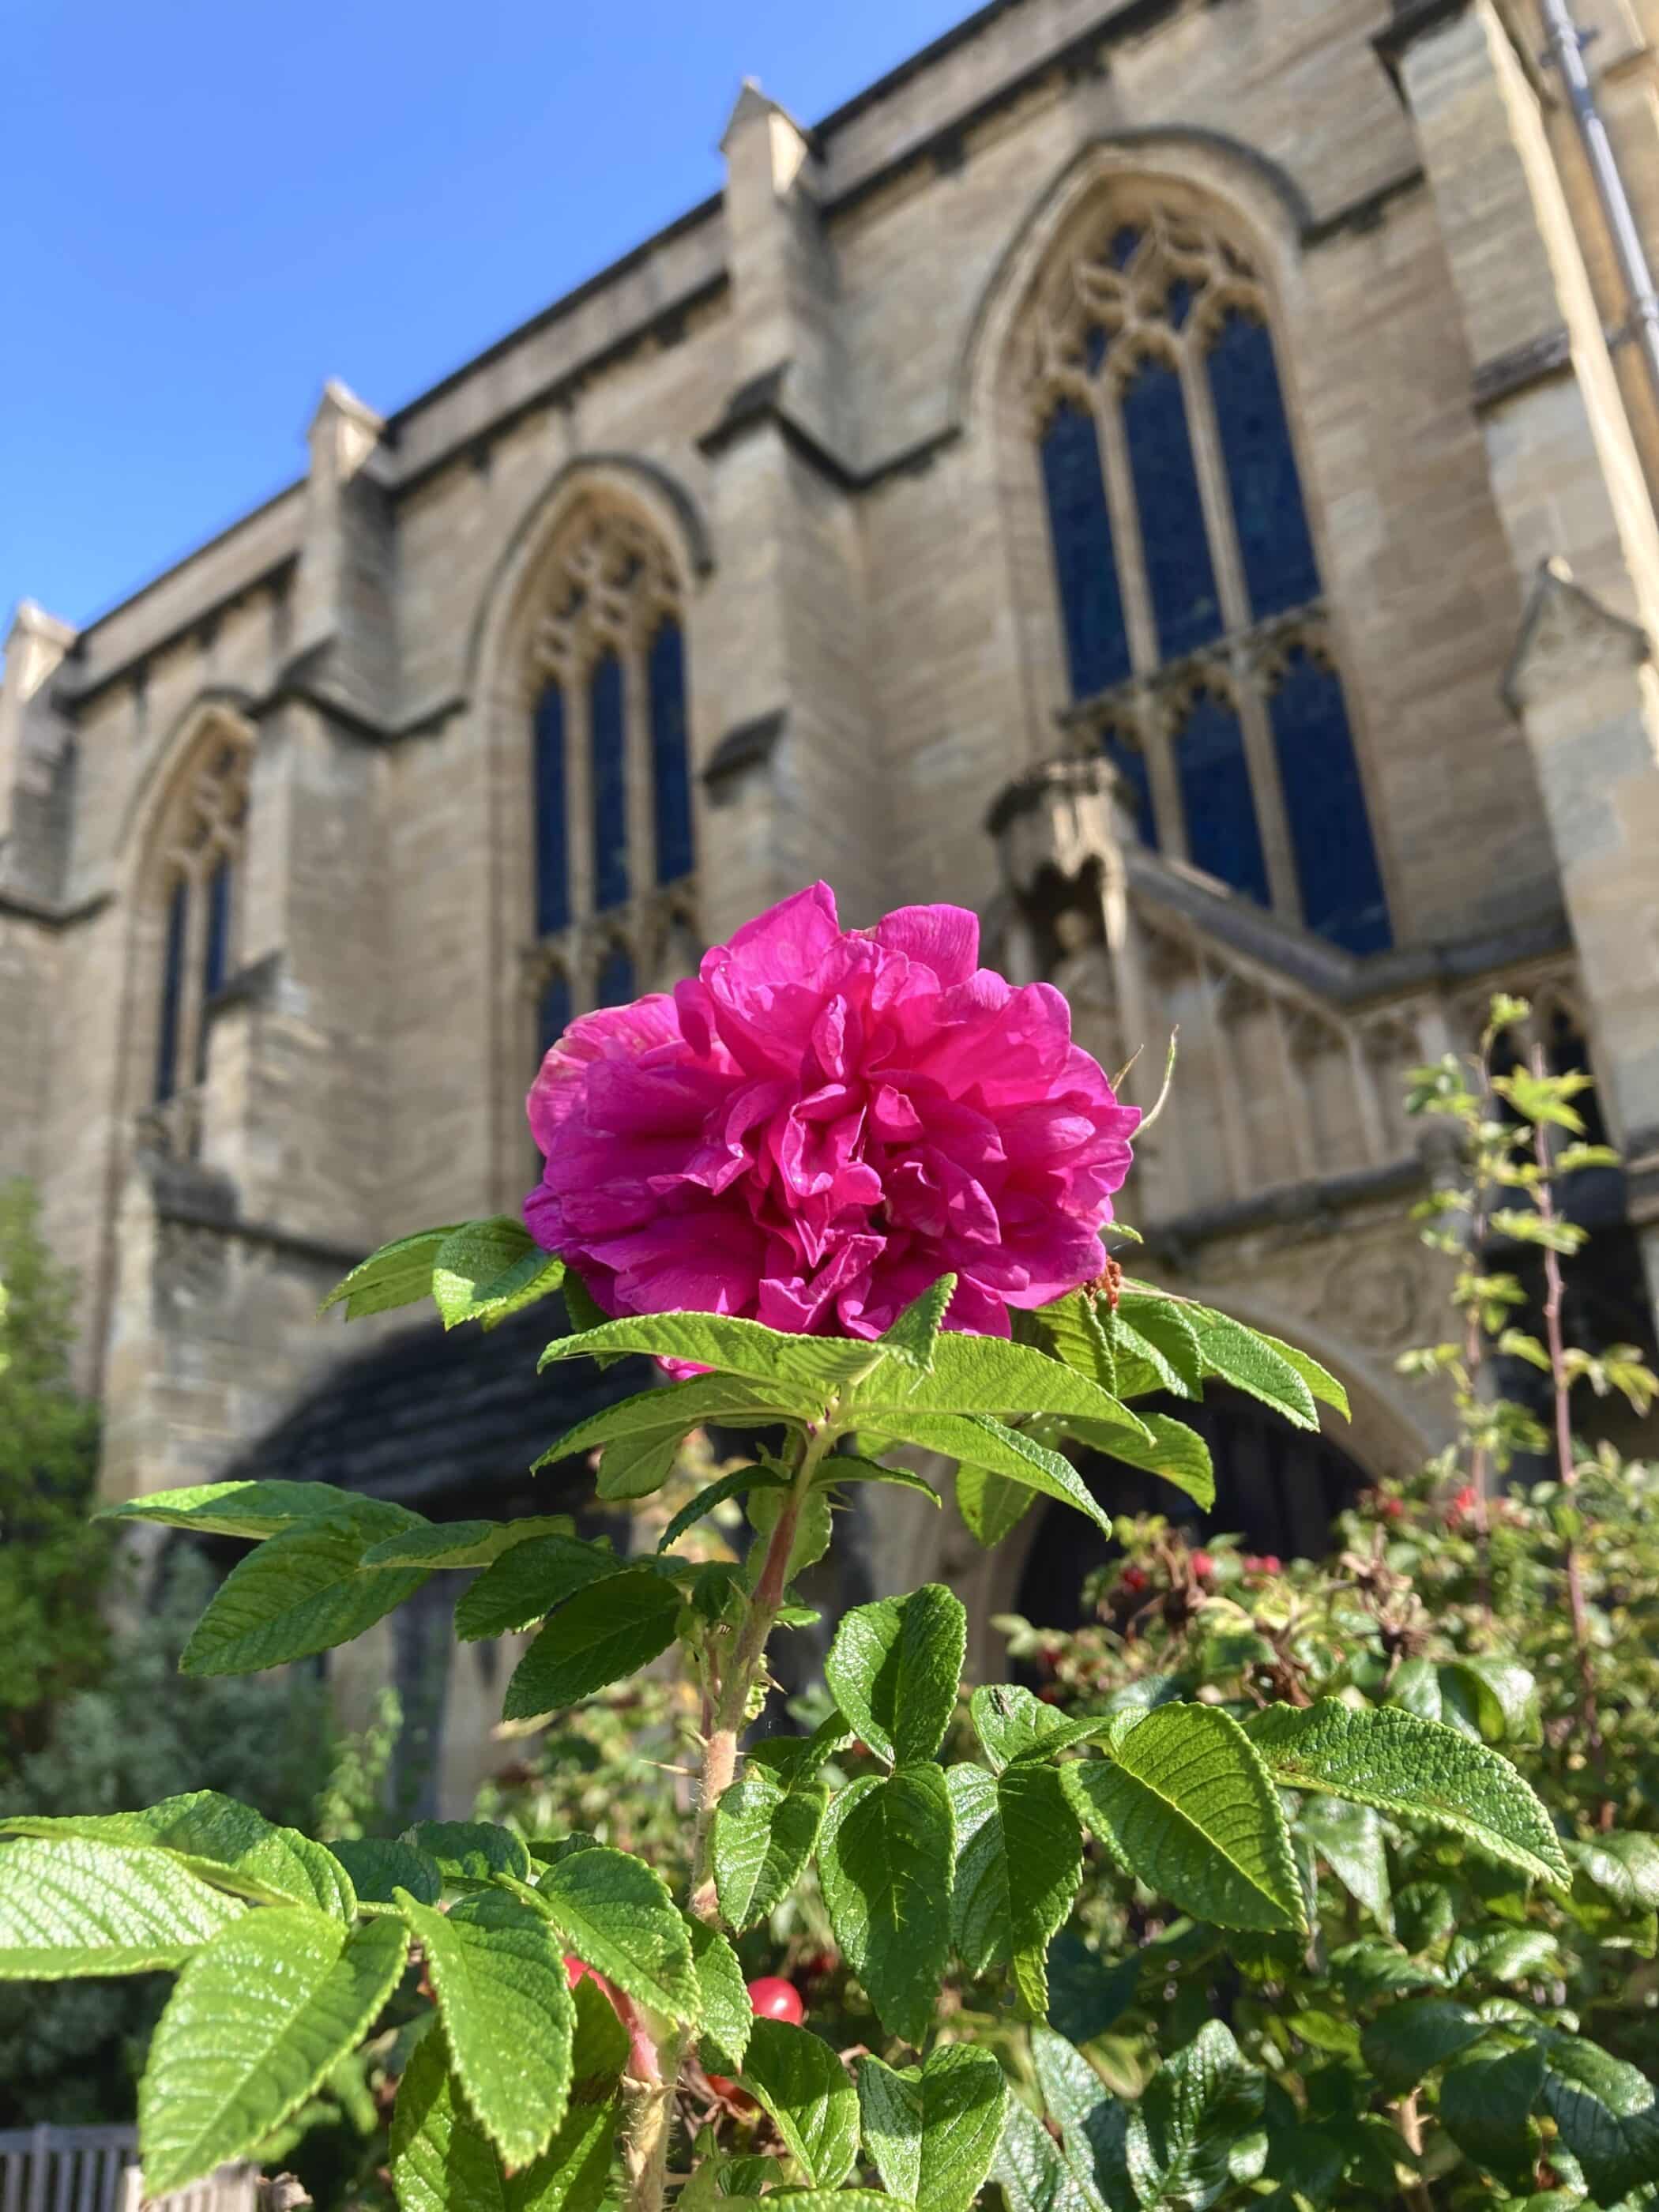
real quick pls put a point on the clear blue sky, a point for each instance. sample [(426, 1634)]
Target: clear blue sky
[(205, 210)]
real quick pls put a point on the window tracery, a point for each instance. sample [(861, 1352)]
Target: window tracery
[(1197, 639), (614, 888)]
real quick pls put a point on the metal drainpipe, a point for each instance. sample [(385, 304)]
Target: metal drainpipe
[(1566, 45)]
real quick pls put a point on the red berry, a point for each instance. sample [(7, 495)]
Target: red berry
[(773, 1998), (1392, 1509), (729, 2093), (1203, 1565), (1263, 1563), (1134, 1580)]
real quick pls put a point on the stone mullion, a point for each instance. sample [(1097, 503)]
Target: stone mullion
[(187, 1073), (1262, 756), (579, 819), (1136, 593), (1155, 726)]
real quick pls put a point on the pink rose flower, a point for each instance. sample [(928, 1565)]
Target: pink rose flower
[(824, 1123)]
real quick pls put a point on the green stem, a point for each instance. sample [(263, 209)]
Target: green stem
[(654, 2073)]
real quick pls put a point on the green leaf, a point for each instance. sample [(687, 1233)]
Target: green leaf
[(979, 1880), (249, 1509), (1191, 2113), (889, 2120), (1032, 2173), (616, 1914), (975, 1440), (766, 1827), (1320, 1380), (1623, 1865), (1247, 1360), (1608, 2113), (805, 1368), (469, 1850), (885, 1859), (657, 1417), (810, 2095), (302, 1592), (1018, 1862), (1485, 2106), (990, 1505), (399, 1275), (1415, 1769), (847, 1467), (894, 1667), (963, 2097), (226, 1843), (498, 1970), (487, 1269), (1410, 2037), (1498, 1953), (72, 1906), (1349, 1838), (913, 1338), (737, 1484), (1093, 2125), (528, 1581), (378, 1866), (725, 2013), (609, 1629), (637, 1467), (1184, 1802), (1009, 1720), (464, 1543), (986, 1375), (442, 2161), (812, 1540), (255, 2023), (1172, 1449), (1156, 1329)]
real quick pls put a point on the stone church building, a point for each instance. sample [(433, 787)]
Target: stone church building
[(1178, 476)]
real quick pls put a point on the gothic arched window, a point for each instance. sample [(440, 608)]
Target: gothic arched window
[(1197, 641), (194, 873), (610, 769)]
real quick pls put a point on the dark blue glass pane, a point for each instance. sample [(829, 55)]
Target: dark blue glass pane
[(616, 977), (1269, 512), (671, 766), (1185, 603), (552, 835), (1121, 251), (173, 985), (554, 1012), (1131, 762), (1179, 303), (1325, 805), (1096, 643), (1095, 342), (609, 786), (216, 955), (1223, 836)]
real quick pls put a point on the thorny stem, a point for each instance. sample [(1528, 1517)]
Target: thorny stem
[(1475, 1349), (653, 2071), (1566, 1465)]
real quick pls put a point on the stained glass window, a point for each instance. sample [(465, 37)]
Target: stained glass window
[(554, 1011), (610, 784), (1173, 544), (1223, 835), (671, 766), (552, 830), (1131, 763), (1269, 512), (1091, 606), (1336, 867), (215, 960), (616, 976), (173, 992)]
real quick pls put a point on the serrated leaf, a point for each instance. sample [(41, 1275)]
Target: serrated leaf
[(1170, 1450), (1009, 1720), (914, 1337), (979, 1882), (1502, 1954), (302, 1592), (737, 1484), (963, 2097), (725, 2015), (469, 1850), (986, 1375), (847, 1467), (1247, 1360), (1319, 1381), (498, 1970), (70, 1907), (1086, 1997), (804, 1368), (1031, 2171), (486, 1269), (894, 1667), (1485, 2106), (255, 2023), (399, 1275), (1019, 1862), (378, 1866), (653, 1418), (1073, 1330), (810, 2095), (1093, 2124), (976, 1440), (529, 1581), (464, 1543), (885, 1859), (1410, 2039), (252, 1511), (616, 1914), (1416, 1769), (1183, 1800), (1157, 1332), (1608, 2113), (637, 1467), (766, 1827), (890, 2120), (991, 1505), (609, 1629), (226, 1843), (442, 2161), (1349, 1838), (1191, 2113), (1623, 1865)]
